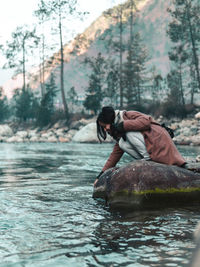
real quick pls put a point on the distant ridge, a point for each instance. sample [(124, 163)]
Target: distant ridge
[(151, 21)]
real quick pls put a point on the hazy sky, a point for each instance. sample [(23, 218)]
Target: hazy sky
[(15, 13)]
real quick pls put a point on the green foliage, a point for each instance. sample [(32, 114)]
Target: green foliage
[(58, 115), (111, 90), (178, 56), (156, 84), (134, 72), (4, 108), (94, 92), (92, 102), (73, 98), (42, 14), (46, 108), (59, 11), (184, 33), (25, 104), (173, 84), (174, 106), (22, 44), (171, 109), (154, 108)]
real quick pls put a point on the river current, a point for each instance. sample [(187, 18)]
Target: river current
[(49, 218)]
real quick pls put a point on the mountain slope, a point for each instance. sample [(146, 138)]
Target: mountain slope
[(151, 21)]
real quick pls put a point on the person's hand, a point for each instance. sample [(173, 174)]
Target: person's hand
[(98, 177), (95, 182)]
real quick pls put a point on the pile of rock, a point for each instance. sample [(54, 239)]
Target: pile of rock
[(54, 134), (187, 132)]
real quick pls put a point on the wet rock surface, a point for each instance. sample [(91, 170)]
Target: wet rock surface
[(142, 184)]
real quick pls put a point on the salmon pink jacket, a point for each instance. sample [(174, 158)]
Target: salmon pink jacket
[(159, 144)]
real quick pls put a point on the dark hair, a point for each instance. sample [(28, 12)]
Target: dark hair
[(107, 116)]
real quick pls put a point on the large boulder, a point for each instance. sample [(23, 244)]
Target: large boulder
[(197, 116), (144, 184), (5, 130), (87, 134), (198, 158)]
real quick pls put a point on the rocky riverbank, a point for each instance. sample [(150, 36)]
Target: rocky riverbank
[(59, 132), (187, 132)]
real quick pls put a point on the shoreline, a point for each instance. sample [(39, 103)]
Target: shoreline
[(186, 131)]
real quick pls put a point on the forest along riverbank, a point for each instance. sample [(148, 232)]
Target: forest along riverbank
[(187, 132)]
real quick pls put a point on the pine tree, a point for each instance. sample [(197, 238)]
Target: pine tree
[(23, 42), (60, 11), (42, 14), (179, 57), (94, 92), (73, 97), (134, 72), (25, 104), (112, 84), (4, 107), (46, 108), (173, 105), (156, 88), (114, 42), (184, 30)]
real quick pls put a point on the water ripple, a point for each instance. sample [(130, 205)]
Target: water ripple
[(48, 217)]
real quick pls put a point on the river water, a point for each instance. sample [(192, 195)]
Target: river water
[(49, 218)]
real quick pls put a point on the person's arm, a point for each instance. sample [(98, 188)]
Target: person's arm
[(135, 121), (112, 160), (114, 157)]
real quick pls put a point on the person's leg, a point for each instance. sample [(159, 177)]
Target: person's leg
[(136, 139), (134, 145), (128, 148)]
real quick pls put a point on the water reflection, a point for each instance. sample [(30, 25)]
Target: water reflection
[(147, 238), (48, 216)]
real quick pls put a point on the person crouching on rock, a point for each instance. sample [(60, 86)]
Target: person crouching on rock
[(138, 135)]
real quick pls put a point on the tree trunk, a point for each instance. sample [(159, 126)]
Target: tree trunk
[(62, 70), (194, 49), (24, 69), (43, 67), (131, 24), (139, 91), (181, 84), (41, 76), (130, 45), (120, 64), (192, 86)]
